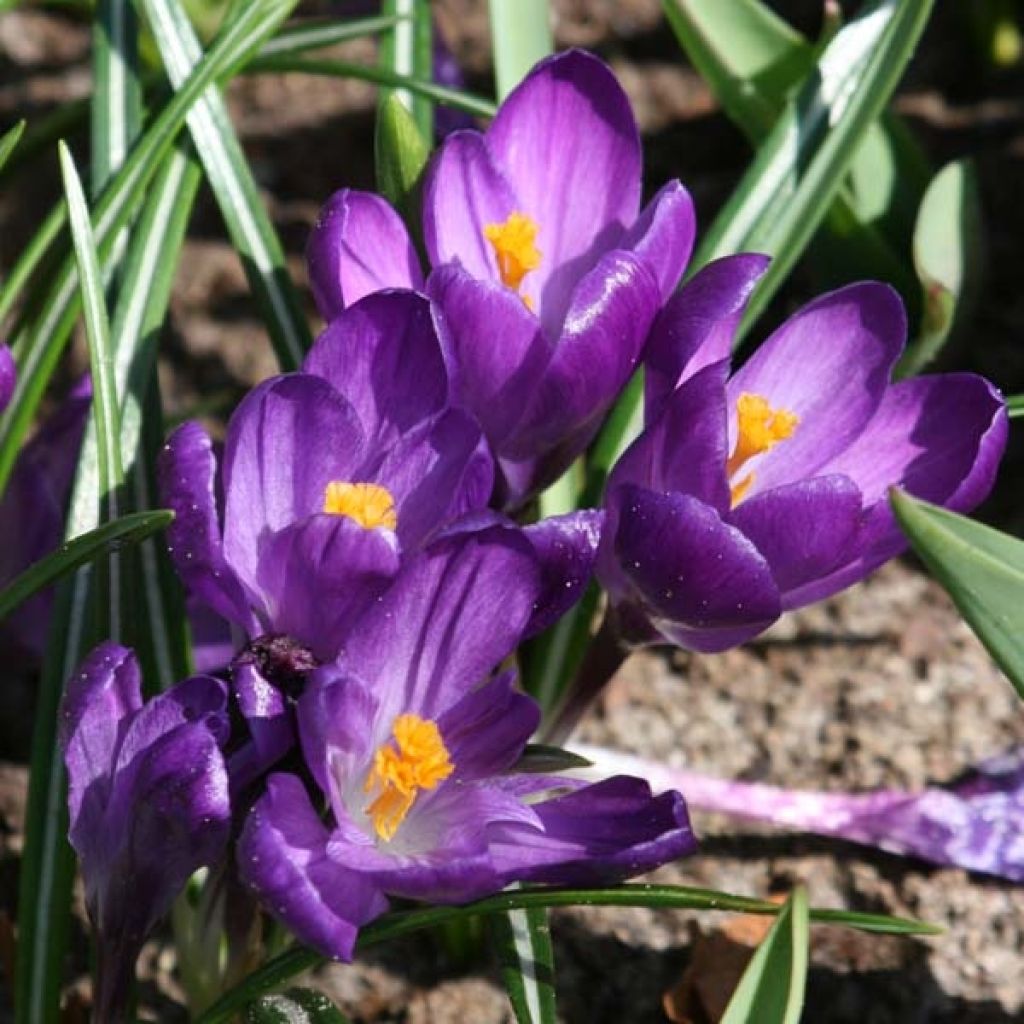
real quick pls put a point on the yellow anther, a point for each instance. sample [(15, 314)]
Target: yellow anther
[(370, 505), (514, 249), (759, 429), (421, 761)]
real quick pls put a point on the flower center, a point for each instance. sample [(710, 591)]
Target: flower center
[(514, 249), (760, 428), (420, 761), (370, 505)]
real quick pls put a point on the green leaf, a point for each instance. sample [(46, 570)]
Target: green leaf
[(296, 1006), (400, 154), (408, 50), (129, 529), (771, 990), (457, 99), (541, 759), (982, 569), (801, 165), (231, 179), (947, 252), (301, 38), (526, 957), (1015, 406), (10, 139), (385, 929), (520, 36), (38, 344)]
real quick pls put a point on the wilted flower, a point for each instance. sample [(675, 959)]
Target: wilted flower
[(749, 495), (148, 798), (977, 823), (412, 742), (548, 272)]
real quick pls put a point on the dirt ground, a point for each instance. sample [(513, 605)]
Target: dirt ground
[(881, 686)]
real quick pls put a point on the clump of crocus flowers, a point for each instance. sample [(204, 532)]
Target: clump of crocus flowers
[(357, 534)]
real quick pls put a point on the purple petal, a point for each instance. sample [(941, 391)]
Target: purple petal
[(829, 364), (613, 829), (567, 142), (451, 616), (318, 575), (187, 472), (8, 376), (604, 333), (290, 437), (270, 722), (436, 474), (804, 530), (282, 855), (463, 192), (497, 345), (486, 731), (663, 235), (697, 326), (566, 548), (703, 582), (384, 358), (358, 245)]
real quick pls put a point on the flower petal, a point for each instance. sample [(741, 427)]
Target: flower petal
[(463, 192), (567, 142), (358, 245), (453, 614), (804, 530), (566, 548), (282, 855), (288, 439), (613, 829), (829, 364), (704, 584), (384, 358), (697, 326), (8, 376), (318, 575), (187, 473), (499, 349), (270, 722), (663, 235)]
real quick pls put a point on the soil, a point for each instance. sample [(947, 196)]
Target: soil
[(881, 686)]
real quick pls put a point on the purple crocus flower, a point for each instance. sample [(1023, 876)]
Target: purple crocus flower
[(8, 377), (752, 494), (548, 272), (327, 477), (412, 740), (148, 798), (977, 823)]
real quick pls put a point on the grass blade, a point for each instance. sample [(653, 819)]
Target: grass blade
[(10, 139), (129, 529), (292, 962), (230, 176), (301, 38), (38, 344), (522, 940), (981, 568), (520, 36), (771, 990), (407, 50)]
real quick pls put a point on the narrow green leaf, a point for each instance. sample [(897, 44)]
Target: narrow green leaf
[(982, 569), (296, 1006), (407, 50), (801, 165), (10, 139), (947, 253), (385, 929), (317, 36), (771, 990), (400, 155), (526, 957), (1015, 406), (230, 176), (457, 99), (542, 759), (129, 529), (38, 344), (520, 36)]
